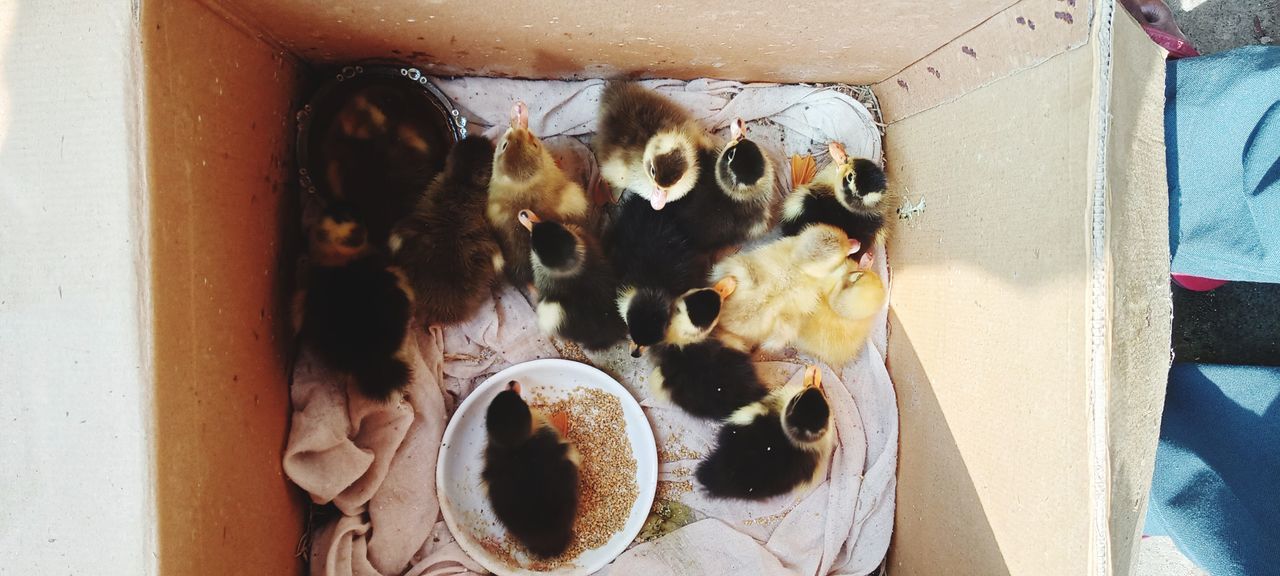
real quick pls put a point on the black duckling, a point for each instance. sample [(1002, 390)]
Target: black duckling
[(446, 246), (531, 474), (575, 285), (355, 308), (648, 144), (851, 194), (733, 200), (779, 444), (655, 262), (702, 375)]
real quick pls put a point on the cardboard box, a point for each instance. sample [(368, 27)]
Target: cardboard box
[(145, 163)]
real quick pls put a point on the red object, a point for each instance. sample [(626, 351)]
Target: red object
[(1177, 47), (1196, 283)]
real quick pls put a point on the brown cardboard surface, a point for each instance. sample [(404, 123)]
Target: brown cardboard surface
[(761, 40), (1140, 305), (1021, 36), (218, 135), (988, 327)]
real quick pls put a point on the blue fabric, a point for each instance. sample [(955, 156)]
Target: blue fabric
[(1222, 135), (1216, 489)]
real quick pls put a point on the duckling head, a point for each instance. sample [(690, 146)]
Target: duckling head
[(509, 420), (647, 312), (520, 156), (806, 416), (862, 183), (556, 248), (671, 163), (742, 170), (698, 311), (821, 249), (338, 237)]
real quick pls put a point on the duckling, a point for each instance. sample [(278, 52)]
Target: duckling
[(779, 284), (836, 332), (525, 176), (355, 308), (775, 446), (531, 474), (446, 246), (648, 144), (850, 193), (576, 288), (655, 262), (733, 199), (700, 374)]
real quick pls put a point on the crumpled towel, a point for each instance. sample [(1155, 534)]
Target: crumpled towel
[(375, 462)]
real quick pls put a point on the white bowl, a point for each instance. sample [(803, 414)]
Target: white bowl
[(463, 500)]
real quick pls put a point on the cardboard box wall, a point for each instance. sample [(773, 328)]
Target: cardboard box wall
[(149, 226)]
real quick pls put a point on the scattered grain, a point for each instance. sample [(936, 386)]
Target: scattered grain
[(676, 453), (765, 520), (668, 490)]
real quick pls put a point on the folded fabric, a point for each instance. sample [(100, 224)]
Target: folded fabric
[(1222, 136), (1216, 487)]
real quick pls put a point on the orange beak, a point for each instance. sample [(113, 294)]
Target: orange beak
[(559, 421), (513, 386), (636, 350), (854, 246), (528, 219), (725, 287), (813, 377)]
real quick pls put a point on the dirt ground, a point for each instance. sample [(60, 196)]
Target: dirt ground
[(1218, 25)]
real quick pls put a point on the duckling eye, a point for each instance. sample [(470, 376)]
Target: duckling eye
[(503, 146), (731, 153), (653, 172)]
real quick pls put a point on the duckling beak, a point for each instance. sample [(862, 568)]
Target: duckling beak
[(725, 287), (738, 131), (868, 259), (559, 421), (636, 350), (854, 246), (528, 219), (520, 116), (658, 198), (813, 377), (838, 154), (513, 386)]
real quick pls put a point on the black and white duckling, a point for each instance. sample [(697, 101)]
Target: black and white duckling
[(446, 246), (526, 176), (648, 144), (655, 262), (531, 474), (851, 194), (733, 200), (576, 287), (697, 373), (354, 308), (775, 446)]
